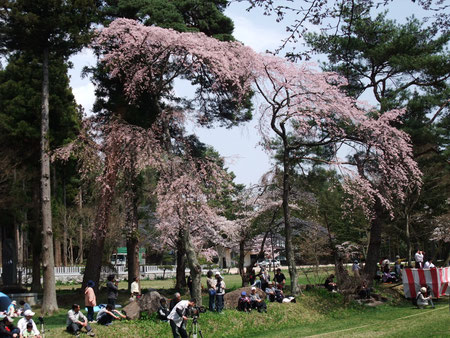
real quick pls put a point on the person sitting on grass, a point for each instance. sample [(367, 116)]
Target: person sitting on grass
[(29, 332), (7, 328), (363, 290), (256, 302), (11, 311), (244, 302), (270, 292), (422, 300), (163, 310), (24, 306), (329, 284), (76, 321), (175, 300), (280, 279), (28, 318), (106, 315)]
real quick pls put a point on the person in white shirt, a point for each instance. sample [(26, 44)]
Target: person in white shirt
[(135, 290), (418, 257), (422, 301), (28, 318), (429, 264), (220, 292), (76, 320), (178, 318)]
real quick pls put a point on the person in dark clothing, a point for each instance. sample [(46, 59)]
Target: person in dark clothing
[(189, 284), (174, 301), (163, 310), (280, 279), (106, 315), (329, 284), (252, 277), (113, 290), (7, 328), (244, 303), (364, 291)]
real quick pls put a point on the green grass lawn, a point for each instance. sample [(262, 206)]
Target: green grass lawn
[(316, 313)]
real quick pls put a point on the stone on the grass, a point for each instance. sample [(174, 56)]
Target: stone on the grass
[(231, 298), (149, 303)]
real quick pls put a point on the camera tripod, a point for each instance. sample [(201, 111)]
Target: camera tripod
[(195, 330)]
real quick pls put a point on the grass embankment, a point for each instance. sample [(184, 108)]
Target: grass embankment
[(317, 312)]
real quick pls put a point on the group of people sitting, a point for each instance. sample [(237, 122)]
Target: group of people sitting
[(12, 310), (26, 327)]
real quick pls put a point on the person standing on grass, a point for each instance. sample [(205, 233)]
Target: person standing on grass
[(220, 292), (280, 279), (418, 257), (90, 301), (76, 321), (135, 290), (356, 268), (211, 286), (178, 318), (113, 290)]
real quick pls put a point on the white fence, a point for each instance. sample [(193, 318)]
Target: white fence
[(75, 273)]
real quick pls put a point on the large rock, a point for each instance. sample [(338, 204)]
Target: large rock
[(149, 303), (231, 299)]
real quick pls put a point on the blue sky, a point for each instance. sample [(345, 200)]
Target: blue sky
[(239, 145)]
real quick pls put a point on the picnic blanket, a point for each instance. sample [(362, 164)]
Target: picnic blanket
[(437, 279)]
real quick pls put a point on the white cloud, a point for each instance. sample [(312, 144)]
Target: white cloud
[(85, 95)]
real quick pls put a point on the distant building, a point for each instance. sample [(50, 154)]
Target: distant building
[(120, 256)]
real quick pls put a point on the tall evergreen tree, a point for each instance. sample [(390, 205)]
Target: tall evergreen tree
[(46, 29)]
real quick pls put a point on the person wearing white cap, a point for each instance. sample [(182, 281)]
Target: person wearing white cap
[(422, 301), (22, 324), (220, 292), (256, 302)]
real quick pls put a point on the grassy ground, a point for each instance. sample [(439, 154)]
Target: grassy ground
[(317, 313)]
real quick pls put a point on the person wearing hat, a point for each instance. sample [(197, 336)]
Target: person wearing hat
[(244, 302), (28, 318), (256, 302), (90, 301), (356, 268), (7, 328), (220, 292), (422, 300)]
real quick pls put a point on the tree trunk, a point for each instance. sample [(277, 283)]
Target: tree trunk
[(132, 220), (58, 260), (287, 221), (408, 236), (65, 227), (181, 265), (80, 244), (36, 241), (49, 303), (244, 274), (373, 252), (194, 266)]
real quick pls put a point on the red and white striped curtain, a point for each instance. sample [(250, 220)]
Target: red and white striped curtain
[(437, 279)]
